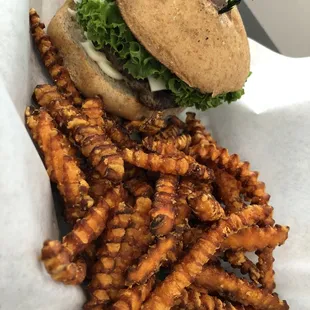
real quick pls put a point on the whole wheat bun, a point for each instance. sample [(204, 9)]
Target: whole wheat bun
[(89, 79), (206, 50)]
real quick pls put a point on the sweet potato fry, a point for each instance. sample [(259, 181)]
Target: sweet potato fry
[(163, 212), (205, 206), (167, 147), (52, 61), (94, 143), (93, 109), (265, 266), (133, 298), (58, 257), (126, 238), (177, 165), (98, 185), (150, 263), (150, 126), (204, 146), (183, 210), (215, 279), (187, 270), (138, 187), (197, 298), (229, 190), (197, 130), (248, 239), (256, 238), (60, 163), (239, 260)]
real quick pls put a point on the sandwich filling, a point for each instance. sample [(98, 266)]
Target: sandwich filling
[(155, 85)]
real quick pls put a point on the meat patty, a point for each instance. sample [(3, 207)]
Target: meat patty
[(158, 100)]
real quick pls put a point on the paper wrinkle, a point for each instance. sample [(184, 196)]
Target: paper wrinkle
[(269, 127)]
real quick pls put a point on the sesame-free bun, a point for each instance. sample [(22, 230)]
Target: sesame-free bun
[(206, 50), (118, 98)]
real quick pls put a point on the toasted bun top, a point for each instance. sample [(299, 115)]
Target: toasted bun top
[(118, 99), (206, 50)]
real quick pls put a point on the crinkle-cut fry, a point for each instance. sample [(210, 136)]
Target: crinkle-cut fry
[(132, 172), (133, 298), (191, 265), (167, 147), (126, 238), (98, 185), (118, 134), (197, 130), (58, 257), (177, 122), (252, 188), (256, 238), (60, 164), (204, 145), (159, 146), (177, 165), (248, 239), (216, 280), (183, 210), (57, 261), (229, 190), (139, 187), (94, 143), (52, 61), (265, 266), (205, 206), (93, 109), (150, 126), (163, 211), (150, 263), (171, 132), (197, 298), (239, 260)]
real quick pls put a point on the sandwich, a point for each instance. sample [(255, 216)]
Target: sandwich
[(143, 56)]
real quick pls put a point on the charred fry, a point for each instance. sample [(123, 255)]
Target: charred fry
[(52, 61), (182, 165), (94, 143), (185, 272), (133, 298), (60, 163), (163, 212), (215, 279)]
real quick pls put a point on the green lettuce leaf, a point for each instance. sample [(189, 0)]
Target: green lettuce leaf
[(102, 21)]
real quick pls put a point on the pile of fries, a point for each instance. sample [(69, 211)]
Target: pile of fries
[(156, 206)]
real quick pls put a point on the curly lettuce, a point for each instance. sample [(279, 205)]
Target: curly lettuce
[(102, 21)]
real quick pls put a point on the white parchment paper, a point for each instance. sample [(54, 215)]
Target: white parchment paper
[(270, 127)]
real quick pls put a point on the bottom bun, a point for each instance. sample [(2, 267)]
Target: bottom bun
[(118, 98)]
